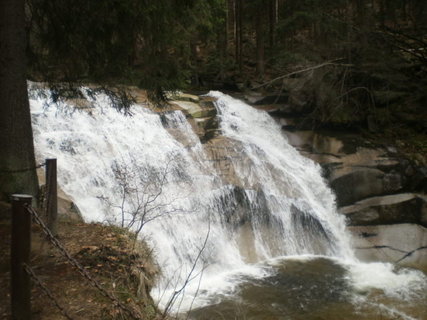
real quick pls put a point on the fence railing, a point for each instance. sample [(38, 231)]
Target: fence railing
[(20, 256), (21, 272), (51, 195)]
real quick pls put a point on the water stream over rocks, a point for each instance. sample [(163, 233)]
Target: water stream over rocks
[(266, 243)]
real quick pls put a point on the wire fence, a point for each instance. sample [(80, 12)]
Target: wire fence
[(78, 267), (24, 169), (21, 272), (46, 291)]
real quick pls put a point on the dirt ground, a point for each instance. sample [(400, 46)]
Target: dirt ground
[(107, 253)]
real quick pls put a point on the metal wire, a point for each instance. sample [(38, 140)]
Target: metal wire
[(24, 170), (46, 290), (133, 313)]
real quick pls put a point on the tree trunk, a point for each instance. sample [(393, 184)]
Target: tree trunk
[(195, 81), (17, 172), (231, 20), (239, 33), (259, 30), (222, 47), (273, 17)]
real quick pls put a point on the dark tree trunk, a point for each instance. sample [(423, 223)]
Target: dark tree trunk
[(17, 172), (239, 32), (259, 30), (222, 46), (382, 12), (195, 60), (273, 16), (231, 20)]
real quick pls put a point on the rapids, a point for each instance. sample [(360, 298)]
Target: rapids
[(215, 242)]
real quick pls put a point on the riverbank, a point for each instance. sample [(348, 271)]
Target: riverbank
[(108, 253), (380, 183)]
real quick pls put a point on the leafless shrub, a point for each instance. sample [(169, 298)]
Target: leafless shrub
[(139, 192)]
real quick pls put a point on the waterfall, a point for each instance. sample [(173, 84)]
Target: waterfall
[(301, 207), (206, 231)]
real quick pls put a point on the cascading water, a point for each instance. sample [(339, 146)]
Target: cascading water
[(301, 208), (210, 236)]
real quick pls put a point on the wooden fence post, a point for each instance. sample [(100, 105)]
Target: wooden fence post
[(19, 256), (52, 195)]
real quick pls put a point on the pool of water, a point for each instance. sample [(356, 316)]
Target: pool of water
[(317, 288)]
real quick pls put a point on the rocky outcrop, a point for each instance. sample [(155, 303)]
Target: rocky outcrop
[(381, 192), (360, 183), (393, 209), (221, 152), (356, 169), (201, 113), (403, 244)]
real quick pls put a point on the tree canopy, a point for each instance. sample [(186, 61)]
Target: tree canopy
[(376, 51)]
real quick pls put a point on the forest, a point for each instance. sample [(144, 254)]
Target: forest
[(369, 57)]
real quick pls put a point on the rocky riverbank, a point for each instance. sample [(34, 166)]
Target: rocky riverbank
[(379, 187)]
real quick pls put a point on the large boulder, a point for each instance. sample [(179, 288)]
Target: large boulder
[(221, 152), (355, 168), (393, 209), (361, 183), (403, 244), (181, 96)]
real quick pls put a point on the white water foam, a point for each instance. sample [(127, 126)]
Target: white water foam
[(402, 284), (290, 209)]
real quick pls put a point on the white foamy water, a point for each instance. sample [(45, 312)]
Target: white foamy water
[(206, 234)]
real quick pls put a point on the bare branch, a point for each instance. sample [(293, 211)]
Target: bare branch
[(190, 276), (328, 63)]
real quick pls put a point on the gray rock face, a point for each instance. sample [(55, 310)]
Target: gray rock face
[(393, 209), (403, 244), (358, 184), (201, 113), (356, 170), (382, 194), (221, 152)]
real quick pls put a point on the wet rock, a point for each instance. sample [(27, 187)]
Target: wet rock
[(201, 114), (180, 96), (356, 170), (221, 153), (204, 113), (393, 209), (238, 209), (207, 102), (357, 185), (209, 134), (303, 220), (403, 244), (189, 107)]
